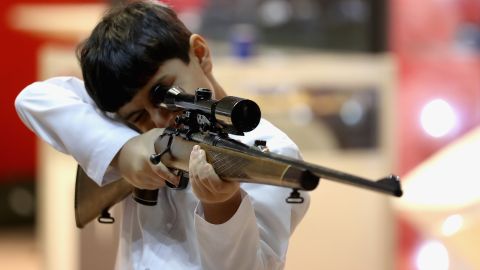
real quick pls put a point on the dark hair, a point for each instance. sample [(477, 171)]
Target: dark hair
[(126, 48)]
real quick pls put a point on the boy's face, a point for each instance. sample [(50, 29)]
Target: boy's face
[(141, 113)]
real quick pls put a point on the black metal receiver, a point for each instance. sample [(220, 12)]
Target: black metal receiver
[(208, 122)]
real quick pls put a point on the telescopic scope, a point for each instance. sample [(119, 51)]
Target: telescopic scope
[(239, 114)]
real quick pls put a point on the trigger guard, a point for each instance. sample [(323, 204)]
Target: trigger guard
[(183, 184)]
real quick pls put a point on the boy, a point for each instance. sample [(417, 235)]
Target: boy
[(213, 224)]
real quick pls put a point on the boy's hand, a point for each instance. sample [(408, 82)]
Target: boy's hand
[(134, 164), (206, 184)]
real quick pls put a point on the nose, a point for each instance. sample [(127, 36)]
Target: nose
[(160, 117)]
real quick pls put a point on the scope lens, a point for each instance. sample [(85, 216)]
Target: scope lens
[(246, 115)]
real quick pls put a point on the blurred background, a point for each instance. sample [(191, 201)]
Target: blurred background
[(370, 87)]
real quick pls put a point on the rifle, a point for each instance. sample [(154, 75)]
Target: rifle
[(207, 122)]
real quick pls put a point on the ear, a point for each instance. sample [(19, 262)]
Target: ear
[(200, 51)]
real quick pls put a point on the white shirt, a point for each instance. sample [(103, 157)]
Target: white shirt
[(173, 234)]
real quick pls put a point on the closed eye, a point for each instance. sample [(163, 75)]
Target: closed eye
[(138, 116)]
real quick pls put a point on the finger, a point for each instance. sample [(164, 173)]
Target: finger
[(195, 155), (201, 157), (155, 182), (194, 163), (206, 173), (148, 183), (209, 178), (205, 169), (161, 171), (202, 170)]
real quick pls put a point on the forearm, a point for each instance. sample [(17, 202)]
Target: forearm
[(218, 213)]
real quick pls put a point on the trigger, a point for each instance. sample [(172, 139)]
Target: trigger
[(183, 183)]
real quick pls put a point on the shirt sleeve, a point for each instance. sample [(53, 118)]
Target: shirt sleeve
[(61, 113), (257, 236)]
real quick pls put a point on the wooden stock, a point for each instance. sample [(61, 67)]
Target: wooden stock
[(237, 165)]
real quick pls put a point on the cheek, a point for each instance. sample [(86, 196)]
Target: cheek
[(146, 126), (162, 118)]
